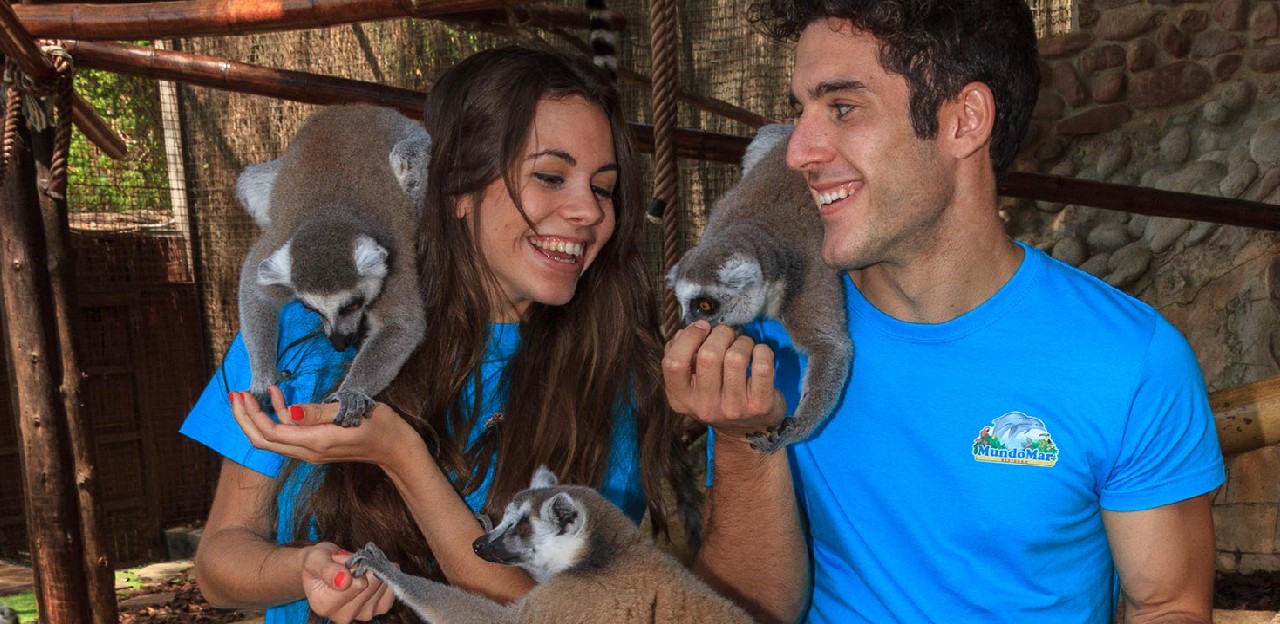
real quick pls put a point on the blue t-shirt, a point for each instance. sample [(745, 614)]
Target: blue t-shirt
[(314, 369), (962, 477)]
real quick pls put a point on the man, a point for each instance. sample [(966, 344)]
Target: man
[(1017, 441)]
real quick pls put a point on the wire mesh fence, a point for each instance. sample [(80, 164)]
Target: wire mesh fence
[(160, 236)]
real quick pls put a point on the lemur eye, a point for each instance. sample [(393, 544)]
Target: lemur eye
[(350, 308), (523, 529), (707, 306)]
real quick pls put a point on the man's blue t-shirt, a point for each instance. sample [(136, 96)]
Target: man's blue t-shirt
[(314, 369), (962, 477)]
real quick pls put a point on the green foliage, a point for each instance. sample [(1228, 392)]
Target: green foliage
[(97, 183), (24, 604)]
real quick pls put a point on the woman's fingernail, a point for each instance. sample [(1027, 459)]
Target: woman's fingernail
[(295, 413), (342, 552), (231, 397), (339, 578)]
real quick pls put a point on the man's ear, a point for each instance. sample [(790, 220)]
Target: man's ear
[(968, 119)]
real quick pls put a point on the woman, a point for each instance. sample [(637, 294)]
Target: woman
[(542, 348)]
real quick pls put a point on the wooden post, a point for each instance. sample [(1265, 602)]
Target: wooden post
[(99, 573), (1248, 416), (52, 529)]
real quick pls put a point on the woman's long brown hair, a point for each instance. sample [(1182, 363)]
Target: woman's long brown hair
[(577, 364)]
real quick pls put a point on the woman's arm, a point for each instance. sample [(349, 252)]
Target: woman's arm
[(387, 441), (239, 565)]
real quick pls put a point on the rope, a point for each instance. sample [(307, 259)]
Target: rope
[(664, 46), (25, 97)]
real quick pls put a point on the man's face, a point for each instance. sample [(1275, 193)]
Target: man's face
[(880, 189)]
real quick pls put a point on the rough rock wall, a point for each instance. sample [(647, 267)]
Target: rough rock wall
[(1177, 95)]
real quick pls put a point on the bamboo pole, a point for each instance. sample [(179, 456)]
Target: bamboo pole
[(1248, 416), (191, 18), (16, 44)]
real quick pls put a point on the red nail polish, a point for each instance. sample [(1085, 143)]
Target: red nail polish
[(295, 413), (339, 578), (231, 397)]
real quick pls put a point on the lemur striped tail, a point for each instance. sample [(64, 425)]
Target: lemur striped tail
[(604, 42)]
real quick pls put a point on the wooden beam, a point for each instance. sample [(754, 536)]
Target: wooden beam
[(1141, 200), (317, 89), (208, 71), (325, 90), (192, 18), (1248, 416), (16, 44)]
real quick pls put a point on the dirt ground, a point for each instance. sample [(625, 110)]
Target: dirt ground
[(177, 601)]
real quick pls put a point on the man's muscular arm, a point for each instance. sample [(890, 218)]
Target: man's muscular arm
[(753, 547), (1165, 560)]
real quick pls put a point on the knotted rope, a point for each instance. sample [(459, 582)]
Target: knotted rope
[(38, 102), (664, 46)]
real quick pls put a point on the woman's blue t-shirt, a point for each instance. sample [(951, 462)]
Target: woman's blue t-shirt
[(313, 369)]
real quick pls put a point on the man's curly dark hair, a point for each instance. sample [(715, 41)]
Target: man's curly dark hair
[(938, 46)]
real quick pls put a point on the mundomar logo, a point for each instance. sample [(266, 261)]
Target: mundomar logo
[(1016, 438)]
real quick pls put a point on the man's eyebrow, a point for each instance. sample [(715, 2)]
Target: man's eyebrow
[(561, 154), (825, 88)]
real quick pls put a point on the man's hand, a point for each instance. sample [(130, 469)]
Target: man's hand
[(705, 375)]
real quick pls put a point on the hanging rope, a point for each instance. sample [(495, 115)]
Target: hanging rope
[(42, 104), (664, 45)]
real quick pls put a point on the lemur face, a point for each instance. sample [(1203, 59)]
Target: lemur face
[(732, 291), (541, 531)]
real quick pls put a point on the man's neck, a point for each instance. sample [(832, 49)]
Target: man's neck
[(959, 266)]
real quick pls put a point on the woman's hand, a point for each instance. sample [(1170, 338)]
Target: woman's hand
[(306, 432), (333, 593)]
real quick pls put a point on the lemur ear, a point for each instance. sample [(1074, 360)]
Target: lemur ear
[(767, 137), (409, 160), (673, 275), (276, 269), (253, 189), (543, 478), (565, 511), (740, 271), (370, 257)]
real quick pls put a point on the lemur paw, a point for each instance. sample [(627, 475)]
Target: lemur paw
[(369, 558), (773, 438), (263, 397), (352, 407)]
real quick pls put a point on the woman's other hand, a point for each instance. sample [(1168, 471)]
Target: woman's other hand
[(334, 593), (306, 431)]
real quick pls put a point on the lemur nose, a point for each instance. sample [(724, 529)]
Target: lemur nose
[(478, 544)]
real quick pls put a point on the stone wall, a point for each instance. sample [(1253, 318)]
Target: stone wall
[(1184, 96)]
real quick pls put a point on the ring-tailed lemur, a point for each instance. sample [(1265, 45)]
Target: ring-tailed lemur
[(761, 255), (604, 42), (339, 216), (592, 565)]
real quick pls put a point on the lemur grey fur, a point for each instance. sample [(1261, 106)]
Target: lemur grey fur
[(761, 255), (592, 565), (339, 216), (8, 615)]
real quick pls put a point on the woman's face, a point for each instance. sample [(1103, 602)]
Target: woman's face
[(565, 180)]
